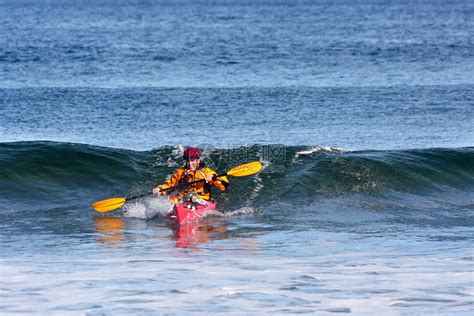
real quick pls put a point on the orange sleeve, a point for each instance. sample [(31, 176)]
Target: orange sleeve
[(174, 180)]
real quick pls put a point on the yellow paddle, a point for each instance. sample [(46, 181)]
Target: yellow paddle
[(239, 171)]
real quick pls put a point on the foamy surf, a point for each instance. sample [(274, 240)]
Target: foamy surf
[(241, 212), (148, 208), (317, 149)]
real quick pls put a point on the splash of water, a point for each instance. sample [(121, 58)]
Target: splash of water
[(148, 208)]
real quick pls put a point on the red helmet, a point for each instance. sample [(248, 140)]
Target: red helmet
[(192, 153)]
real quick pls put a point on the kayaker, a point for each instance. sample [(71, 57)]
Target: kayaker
[(193, 170)]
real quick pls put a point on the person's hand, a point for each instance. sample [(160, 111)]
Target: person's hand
[(157, 190), (209, 177)]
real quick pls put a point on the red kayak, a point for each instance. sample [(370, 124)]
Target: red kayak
[(187, 213)]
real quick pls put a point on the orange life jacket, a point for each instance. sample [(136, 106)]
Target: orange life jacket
[(203, 189)]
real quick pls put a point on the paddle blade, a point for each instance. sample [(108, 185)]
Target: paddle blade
[(245, 169), (108, 205)]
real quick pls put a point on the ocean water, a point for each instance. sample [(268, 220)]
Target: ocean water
[(362, 113)]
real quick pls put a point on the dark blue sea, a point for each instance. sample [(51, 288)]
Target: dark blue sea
[(361, 112)]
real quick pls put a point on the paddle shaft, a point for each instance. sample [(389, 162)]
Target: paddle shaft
[(175, 187)]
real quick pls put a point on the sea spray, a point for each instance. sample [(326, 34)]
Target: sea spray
[(147, 208)]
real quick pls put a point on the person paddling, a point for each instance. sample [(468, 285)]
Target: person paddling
[(193, 183), (193, 170)]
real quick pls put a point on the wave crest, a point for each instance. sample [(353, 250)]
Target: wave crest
[(58, 174)]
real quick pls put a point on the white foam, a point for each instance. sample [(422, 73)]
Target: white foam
[(241, 211), (176, 152), (148, 207), (316, 149)]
